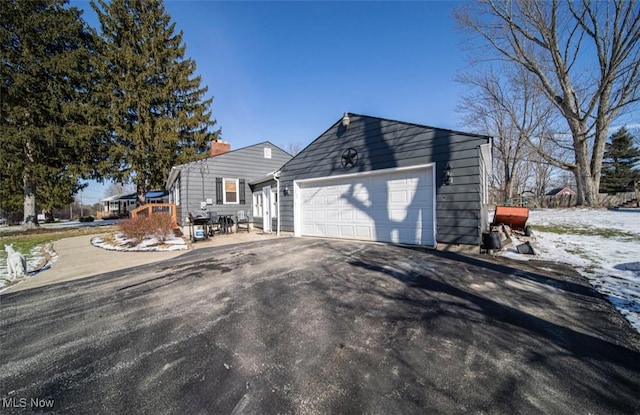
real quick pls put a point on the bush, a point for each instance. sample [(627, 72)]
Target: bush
[(160, 226), (87, 219), (157, 226), (135, 229)]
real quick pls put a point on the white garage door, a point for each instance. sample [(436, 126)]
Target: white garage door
[(388, 206)]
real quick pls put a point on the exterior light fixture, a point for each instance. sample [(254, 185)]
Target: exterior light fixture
[(285, 191), (448, 175), (346, 120)]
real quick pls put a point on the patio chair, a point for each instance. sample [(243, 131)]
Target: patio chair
[(242, 221), (213, 223)]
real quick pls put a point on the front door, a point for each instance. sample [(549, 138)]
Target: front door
[(266, 209)]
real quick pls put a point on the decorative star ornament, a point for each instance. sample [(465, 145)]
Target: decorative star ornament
[(349, 158)]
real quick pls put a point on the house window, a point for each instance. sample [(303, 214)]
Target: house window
[(230, 193), (267, 153), (257, 204)]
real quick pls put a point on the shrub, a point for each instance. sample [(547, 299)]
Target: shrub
[(157, 225), (135, 229), (160, 226)]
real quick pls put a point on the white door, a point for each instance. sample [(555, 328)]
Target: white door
[(266, 209), (388, 206)]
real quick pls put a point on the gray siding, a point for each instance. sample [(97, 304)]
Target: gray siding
[(198, 179), (383, 144)]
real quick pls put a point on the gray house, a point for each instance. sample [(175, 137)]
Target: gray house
[(369, 178), (219, 183)]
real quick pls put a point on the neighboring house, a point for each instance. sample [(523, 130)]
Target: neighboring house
[(121, 205), (220, 182), (561, 191), (376, 179)]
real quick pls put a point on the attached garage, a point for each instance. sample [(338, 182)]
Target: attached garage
[(375, 179), (389, 205)]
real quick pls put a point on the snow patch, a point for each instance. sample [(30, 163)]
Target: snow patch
[(120, 243), (609, 260)]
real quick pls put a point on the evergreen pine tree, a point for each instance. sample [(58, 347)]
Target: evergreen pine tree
[(620, 165), (158, 115), (47, 123)]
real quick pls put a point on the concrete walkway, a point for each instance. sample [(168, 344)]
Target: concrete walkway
[(77, 258)]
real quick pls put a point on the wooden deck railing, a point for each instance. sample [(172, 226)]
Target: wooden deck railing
[(155, 208)]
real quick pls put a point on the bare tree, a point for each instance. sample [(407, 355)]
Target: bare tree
[(542, 174), (508, 106), (116, 189), (293, 148), (585, 57)]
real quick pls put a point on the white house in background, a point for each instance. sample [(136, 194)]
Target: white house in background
[(120, 205)]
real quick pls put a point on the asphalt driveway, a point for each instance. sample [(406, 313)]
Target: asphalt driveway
[(317, 326)]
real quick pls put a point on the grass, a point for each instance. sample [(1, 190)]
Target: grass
[(588, 231), (25, 241), (581, 253)]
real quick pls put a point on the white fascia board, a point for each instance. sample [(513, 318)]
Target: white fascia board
[(270, 176), (173, 175)]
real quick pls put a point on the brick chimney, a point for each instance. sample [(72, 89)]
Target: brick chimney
[(219, 147)]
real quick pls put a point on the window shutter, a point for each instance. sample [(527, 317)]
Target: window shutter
[(218, 190), (243, 200)]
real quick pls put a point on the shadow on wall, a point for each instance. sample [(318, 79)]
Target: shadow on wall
[(392, 225)]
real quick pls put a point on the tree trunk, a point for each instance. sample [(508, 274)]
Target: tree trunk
[(586, 181), (141, 191), (579, 186), (30, 218), (507, 183)]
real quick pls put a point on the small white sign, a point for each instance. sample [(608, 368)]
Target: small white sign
[(209, 201)]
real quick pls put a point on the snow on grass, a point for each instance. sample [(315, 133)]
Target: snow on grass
[(118, 242), (37, 259), (603, 245), (42, 256)]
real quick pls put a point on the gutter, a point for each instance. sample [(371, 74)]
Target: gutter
[(276, 177)]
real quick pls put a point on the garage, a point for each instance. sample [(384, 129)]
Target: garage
[(390, 205), (377, 179)]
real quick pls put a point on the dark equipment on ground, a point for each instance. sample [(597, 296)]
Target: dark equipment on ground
[(198, 223)]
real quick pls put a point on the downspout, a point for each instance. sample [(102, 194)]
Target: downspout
[(277, 179)]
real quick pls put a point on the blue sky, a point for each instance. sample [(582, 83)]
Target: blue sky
[(285, 71)]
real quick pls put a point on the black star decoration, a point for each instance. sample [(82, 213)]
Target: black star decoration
[(349, 158)]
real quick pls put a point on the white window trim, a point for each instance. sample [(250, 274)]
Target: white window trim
[(176, 192), (224, 191)]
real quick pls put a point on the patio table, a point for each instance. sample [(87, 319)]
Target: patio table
[(226, 223)]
